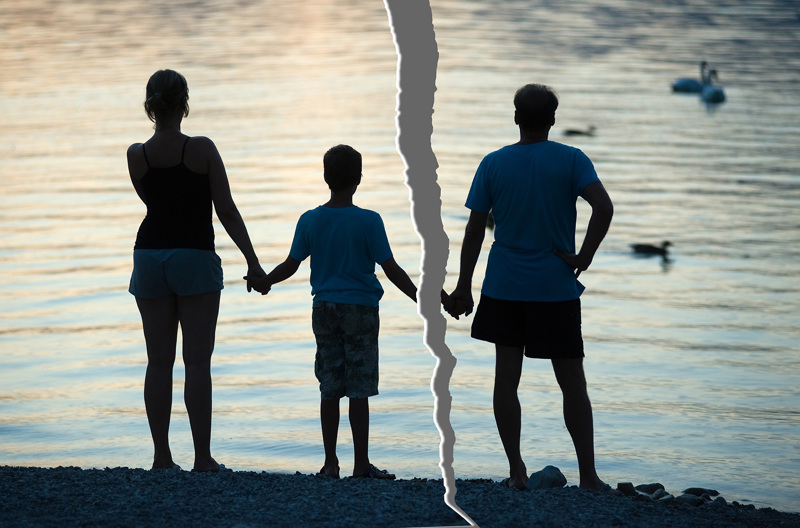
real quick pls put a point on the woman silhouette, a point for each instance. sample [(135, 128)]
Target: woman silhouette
[(177, 276)]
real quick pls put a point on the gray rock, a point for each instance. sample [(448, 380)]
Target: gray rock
[(549, 477), (699, 491), (650, 488), (627, 489), (688, 498), (660, 493), (667, 498), (721, 500)]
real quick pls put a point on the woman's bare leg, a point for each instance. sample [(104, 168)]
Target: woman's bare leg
[(160, 324), (198, 319)]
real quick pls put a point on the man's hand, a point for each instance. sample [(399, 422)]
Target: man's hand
[(573, 261), (458, 303)]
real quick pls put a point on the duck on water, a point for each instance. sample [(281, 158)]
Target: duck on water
[(648, 249)]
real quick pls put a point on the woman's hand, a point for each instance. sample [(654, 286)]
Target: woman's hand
[(257, 279)]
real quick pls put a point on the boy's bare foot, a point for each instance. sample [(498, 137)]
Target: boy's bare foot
[(374, 472), (165, 466), (163, 463)]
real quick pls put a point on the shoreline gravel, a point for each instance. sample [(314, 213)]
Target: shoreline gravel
[(123, 497)]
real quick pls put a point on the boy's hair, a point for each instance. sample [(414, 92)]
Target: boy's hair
[(535, 105), (342, 167)]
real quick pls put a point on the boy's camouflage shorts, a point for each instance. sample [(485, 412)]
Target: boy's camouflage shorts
[(347, 349)]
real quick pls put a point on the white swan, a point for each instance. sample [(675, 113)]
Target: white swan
[(712, 93), (689, 85)]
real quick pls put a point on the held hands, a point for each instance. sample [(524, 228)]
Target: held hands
[(457, 303), (257, 280)]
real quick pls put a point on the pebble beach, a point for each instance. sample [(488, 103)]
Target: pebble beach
[(124, 497)]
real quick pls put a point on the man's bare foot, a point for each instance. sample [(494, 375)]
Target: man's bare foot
[(519, 485), (518, 479), (599, 485)]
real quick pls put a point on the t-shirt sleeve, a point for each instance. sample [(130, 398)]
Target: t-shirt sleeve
[(584, 173), (379, 248), (301, 247), (479, 198)]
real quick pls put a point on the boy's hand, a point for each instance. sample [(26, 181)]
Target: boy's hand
[(447, 303)]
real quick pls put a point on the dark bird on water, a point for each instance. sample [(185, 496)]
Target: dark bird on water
[(647, 249), (577, 132)]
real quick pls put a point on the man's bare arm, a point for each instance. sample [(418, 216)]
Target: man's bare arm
[(602, 212), (470, 251)]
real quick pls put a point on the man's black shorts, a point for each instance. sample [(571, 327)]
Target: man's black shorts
[(548, 330)]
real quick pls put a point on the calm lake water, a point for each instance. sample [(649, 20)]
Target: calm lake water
[(693, 364)]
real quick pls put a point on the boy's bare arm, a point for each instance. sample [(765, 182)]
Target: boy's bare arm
[(282, 271), (399, 278)]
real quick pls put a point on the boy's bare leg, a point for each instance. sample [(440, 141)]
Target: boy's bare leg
[(329, 418), (359, 426), (160, 324), (507, 411), (578, 418), (198, 317)]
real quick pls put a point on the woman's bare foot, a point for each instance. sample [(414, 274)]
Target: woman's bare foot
[(209, 466), (328, 471)]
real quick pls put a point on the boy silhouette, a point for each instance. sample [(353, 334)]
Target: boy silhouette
[(344, 243)]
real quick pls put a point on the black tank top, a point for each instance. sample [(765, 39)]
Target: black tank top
[(178, 208)]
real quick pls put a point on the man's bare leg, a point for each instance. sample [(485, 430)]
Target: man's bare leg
[(507, 411), (578, 418)]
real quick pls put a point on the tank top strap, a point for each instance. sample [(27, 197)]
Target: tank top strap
[(183, 152), (145, 156)]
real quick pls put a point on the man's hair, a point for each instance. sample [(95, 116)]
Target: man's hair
[(342, 167), (536, 106)]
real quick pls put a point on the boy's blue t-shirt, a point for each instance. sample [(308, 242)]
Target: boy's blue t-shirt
[(532, 190), (344, 245)]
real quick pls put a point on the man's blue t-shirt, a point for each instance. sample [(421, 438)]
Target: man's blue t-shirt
[(344, 245), (531, 190)]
